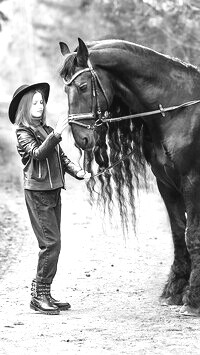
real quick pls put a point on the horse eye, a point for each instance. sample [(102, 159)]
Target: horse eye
[(83, 86)]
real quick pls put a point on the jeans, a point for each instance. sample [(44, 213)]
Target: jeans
[(44, 208)]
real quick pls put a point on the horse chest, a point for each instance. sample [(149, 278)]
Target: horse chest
[(160, 160), (161, 165), (155, 153)]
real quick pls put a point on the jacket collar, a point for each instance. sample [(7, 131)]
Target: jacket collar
[(39, 131)]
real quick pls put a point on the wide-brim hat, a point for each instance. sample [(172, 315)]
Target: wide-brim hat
[(43, 87)]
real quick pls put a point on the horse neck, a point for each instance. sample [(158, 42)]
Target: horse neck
[(143, 75)]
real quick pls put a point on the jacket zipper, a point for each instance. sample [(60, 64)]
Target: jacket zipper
[(40, 175), (61, 173), (49, 173)]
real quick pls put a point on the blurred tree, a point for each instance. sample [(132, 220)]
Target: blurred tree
[(169, 26), (63, 20), (3, 17), (36, 26)]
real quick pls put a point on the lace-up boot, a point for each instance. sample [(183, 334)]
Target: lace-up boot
[(63, 306), (41, 301)]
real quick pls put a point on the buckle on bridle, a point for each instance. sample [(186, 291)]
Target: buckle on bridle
[(98, 122)]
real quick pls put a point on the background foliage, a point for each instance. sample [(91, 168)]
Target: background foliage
[(31, 30)]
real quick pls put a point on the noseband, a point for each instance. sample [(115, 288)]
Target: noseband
[(96, 109)]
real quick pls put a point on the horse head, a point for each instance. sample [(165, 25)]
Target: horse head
[(89, 92)]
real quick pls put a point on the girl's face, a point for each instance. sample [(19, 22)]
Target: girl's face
[(37, 107)]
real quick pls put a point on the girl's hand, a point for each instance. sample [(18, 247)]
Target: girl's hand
[(61, 125), (87, 175), (83, 174)]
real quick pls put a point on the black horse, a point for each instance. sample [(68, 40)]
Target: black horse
[(159, 97)]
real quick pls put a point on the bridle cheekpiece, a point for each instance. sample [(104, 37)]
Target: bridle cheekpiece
[(96, 109)]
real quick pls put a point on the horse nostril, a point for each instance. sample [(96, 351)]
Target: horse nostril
[(85, 141)]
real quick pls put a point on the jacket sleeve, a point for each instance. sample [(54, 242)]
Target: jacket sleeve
[(68, 166), (28, 143)]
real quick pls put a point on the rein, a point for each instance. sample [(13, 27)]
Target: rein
[(73, 118), (149, 113), (112, 165)]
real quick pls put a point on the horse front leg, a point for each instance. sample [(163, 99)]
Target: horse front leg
[(192, 201), (180, 270)]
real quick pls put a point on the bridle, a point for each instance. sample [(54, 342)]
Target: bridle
[(96, 109)]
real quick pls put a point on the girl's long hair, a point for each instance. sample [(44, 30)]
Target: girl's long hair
[(23, 115)]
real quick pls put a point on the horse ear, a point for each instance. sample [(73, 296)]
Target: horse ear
[(82, 54), (64, 48)]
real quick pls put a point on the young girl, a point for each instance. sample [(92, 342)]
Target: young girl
[(44, 166)]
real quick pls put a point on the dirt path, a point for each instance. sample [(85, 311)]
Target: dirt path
[(113, 285)]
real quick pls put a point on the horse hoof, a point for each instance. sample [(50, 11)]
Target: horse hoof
[(172, 301), (189, 311), (165, 302)]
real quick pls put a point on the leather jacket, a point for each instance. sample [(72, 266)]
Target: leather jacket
[(44, 161)]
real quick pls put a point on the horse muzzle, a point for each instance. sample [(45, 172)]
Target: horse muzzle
[(84, 138)]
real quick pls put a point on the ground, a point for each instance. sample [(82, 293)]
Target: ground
[(113, 283)]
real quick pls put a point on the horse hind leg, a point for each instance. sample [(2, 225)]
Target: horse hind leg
[(177, 282), (192, 200)]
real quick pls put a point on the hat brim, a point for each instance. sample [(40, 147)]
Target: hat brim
[(43, 87)]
